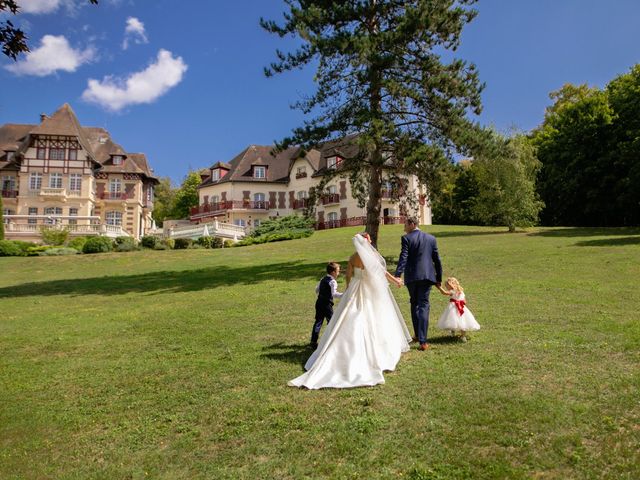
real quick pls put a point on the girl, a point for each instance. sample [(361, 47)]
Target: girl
[(456, 316)]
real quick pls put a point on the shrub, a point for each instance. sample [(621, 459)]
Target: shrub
[(24, 246), (169, 243), (161, 246), (274, 237), (60, 251), (53, 236), (98, 245), (125, 244), (38, 250), (77, 243), (182, 243), (149, 241), (9, 249), (288, 223), (227, 244), (206, 242)]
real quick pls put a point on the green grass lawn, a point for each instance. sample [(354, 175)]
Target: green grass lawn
[(174, 364)]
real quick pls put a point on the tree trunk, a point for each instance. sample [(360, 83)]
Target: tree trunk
[(374, 203)]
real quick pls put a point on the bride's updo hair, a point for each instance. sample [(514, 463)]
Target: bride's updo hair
[(455, 284), (365, 235)]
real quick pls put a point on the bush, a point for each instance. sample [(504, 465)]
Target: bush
[(182, 243), (24, 246), (98, 245), (125, 244), (9, 249), (149, 241), (60, 251), (77, 243), (161, 246), (288, 223), (38, 250), (169, 243), (53, 236), (274, 237), (210, 242), (228, 244)]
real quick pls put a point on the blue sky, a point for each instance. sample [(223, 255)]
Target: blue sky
[(196, 92)]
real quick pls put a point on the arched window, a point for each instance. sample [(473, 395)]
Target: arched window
[(114, 218)]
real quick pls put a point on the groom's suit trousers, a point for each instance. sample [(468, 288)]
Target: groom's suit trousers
[(419, 294)]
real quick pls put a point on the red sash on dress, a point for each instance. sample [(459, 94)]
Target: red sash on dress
[(459, 305)]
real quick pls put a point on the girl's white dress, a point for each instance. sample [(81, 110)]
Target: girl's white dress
[(451, 318), (365, 336)]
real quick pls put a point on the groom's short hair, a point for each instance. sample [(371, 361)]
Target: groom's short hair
[(332, 267), (412, 221)]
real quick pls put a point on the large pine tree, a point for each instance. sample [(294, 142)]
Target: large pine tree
[(386, 72)]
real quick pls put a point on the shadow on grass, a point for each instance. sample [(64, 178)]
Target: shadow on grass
[(170, 281), (609, 242), (290, 353), (444, 340), (469, 233), (586, 232)]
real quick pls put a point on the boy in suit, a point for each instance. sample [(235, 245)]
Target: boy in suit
[(327, 290)]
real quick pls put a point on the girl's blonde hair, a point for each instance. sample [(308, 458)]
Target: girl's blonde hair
[(455, 284)]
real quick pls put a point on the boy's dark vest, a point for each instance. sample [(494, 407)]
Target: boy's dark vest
[(324, 291)]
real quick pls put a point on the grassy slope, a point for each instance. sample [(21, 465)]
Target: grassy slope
[(174, 365)]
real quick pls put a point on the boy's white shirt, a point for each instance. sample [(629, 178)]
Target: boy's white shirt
[(334, 288)]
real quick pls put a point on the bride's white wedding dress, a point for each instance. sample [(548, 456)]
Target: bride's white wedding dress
[(366, 335)]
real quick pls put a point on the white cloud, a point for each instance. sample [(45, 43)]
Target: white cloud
[(141, 87), (134, 31), (39, 6), (53, 54)]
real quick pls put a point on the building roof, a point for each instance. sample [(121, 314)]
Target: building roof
[(95, 140), (279, 164)]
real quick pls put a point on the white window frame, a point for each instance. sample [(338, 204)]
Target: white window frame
[(240, 222), (55, 180), (75, 182), (56, 153), (262, 170), (332, 217), (215, 174), (117, 159), (333, 189), (256, 223), (8, 183), (215, 199), (35, 181), (73, 212), (302, 194), (113, 217), (33, 211), (115, 185), (5, 212), (73, 154), (259, 197)]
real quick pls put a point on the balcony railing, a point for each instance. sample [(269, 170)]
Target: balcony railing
[(219, 207), (9, 193), (49, 192), (300, 175), (330, 199), (356, 221), (114, 196), (300, 203)]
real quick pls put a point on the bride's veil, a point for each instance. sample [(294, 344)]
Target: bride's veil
[(372, 261)]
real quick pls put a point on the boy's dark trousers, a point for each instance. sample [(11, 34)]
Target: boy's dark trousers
[(324, 309)]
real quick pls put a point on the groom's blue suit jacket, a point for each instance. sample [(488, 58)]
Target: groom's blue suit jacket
[(419, 259)]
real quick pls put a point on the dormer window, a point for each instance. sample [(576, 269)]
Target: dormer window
[(334, 162), (215, 174), (259, 172), (117, 159)]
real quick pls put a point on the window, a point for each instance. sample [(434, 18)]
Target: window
[(301, 172), (41, 153), (302, 194), (256, 223), (215, 174), (114, 218), (56, 154), (75, 182), (35, 181), (5, 212), (73, 212), (332, 189), (240, 222), (73, 154), (149, 197), (52, 211), (8, 184), (258, 200), (215, 199), (117, 159), (259, 172), (115, 186), (55, 180), (10, 156), (332, 217), (33, 211)]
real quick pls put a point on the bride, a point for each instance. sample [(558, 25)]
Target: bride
[(366, 334)]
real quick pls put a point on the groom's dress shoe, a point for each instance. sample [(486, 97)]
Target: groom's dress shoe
[(423, 347)]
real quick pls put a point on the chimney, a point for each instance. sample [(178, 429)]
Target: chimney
[(43, 117)]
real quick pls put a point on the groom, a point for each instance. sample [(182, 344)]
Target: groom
[(420, 263)]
